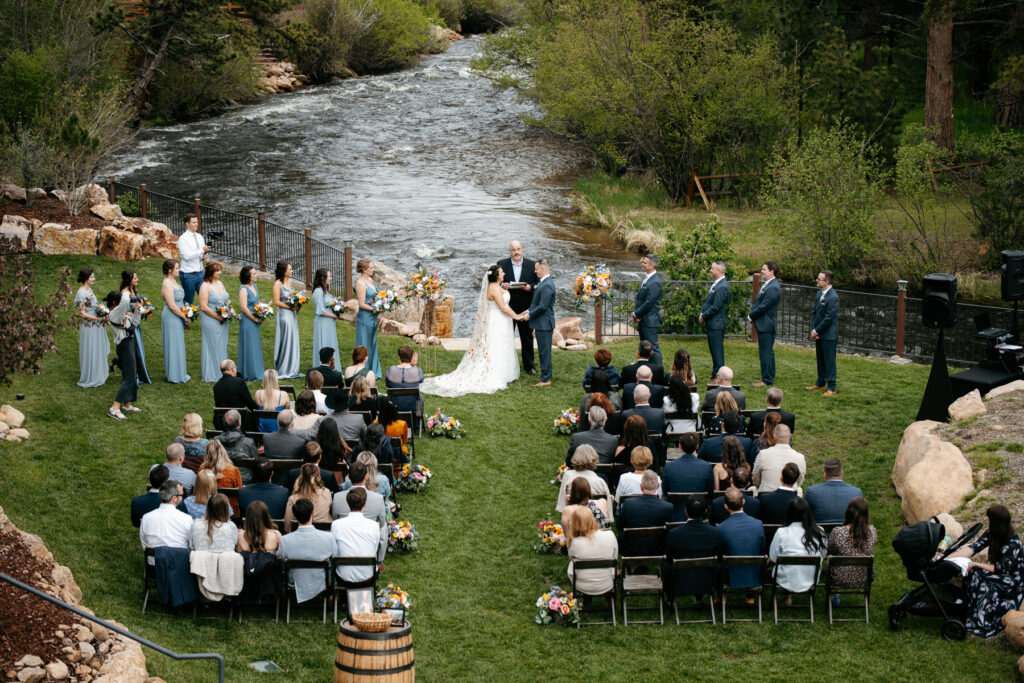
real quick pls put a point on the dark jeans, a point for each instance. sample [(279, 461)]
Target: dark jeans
[(825, 352), (716, 340), (128, 355), (191, 282), (766, 355)]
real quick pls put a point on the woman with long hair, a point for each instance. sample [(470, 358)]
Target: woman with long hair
[(93, 342), (286, 334), (725, 403), (377, 442), (360, 398), (799, 536), (205, 488), (307, 420), (681, 366), (366, 317), (682, 403), (360, 367), (314, 384), (124, 318), (733, 458), (214, 533), (129, 285), (270, 397), (215, 327), (599, 384), (375, 481), (613, 423), (588, 541), (333, 451), (218, 462), (767, 438), (173, 323), (580, 496), (325, 331), (856, 536), (634, 433), (387, 416), (250, 342), (258, 534), (311, 487)]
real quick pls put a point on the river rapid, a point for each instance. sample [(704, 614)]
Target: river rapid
[(429, 165)]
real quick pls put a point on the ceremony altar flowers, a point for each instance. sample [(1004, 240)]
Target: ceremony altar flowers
[(190, 311), (550, 537), (384, 301), (594, 282), (557, 607), (263, 310), (338, 306), (146, 309), (566, 422), (425, 283), (412, 478), (297, 299), (402, 537), (440, 424), (393, 597)]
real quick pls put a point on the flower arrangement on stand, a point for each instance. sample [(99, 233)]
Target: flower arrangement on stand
[(425, 283), (190, 311), (402, 537), (440, 424), (383, 301), (562, 469), (263, 310), (227, 312), (412, 478), (594, 282), (556, 606), (566, 422), (393, 597), (146, 309), (550, 537), (297, 300)]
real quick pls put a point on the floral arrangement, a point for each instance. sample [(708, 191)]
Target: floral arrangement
[(593, 283), (425, 283), (227, 312), (101, 310), (384, 301), (402, 537), (550, 537), (263, 310), (440, 424), (338, 306), (146, 309), (298, 299), (190, 311), (562, 469), (558, 607), (393, 597), (567, 421), (412, 478)]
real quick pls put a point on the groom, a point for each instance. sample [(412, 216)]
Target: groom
[(541, 315)]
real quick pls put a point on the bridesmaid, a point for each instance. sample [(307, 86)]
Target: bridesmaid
[(129, 281), (366, 319), (325, 334), (286, 334), (93, 343), (250, 346), (172, 325), (215, 328)]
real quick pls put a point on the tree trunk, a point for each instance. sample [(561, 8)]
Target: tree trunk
[(148, 70), (938, 89), (1008, 108)]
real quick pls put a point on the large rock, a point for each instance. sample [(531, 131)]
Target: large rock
[(570, 328), (16, 234), (12, 416), (12, 192), (938, 483), (157, 238), (411, 310), (967, 406), (1016, 385), (106, 211), (94, 194), (36, 193), (388, 326), (954, 529), (120, 244), (1014, 623), (59, 238), (917, 441)]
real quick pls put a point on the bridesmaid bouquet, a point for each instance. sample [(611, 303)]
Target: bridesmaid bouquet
[(101, 310), (384, 301), (298, 299), (190, 311), (338, 306), (402, 537), (557, 606), (146, 309), (426, 284), (262, 310), (227, 312), (593, 283), (566, 422), (550, 536), (393, 597)]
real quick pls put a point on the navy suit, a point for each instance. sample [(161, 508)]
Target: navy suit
[(657, 394), (646, 308), (628, 375), (825, 322), (711, 449), (147, 502), (763, 314), (718, 513), (743, 535), (828, 501), (644, 511), (273, 496), (696, 538), (542, 322), (755, 424), (687, 474), (713, 311), (774, 505), (519, 301)]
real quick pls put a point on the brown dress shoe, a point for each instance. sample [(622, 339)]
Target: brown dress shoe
[(543, 384), (829, 393), (758, 383), (813, 388)]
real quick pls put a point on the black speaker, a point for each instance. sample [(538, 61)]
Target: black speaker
[(939, 300), (1013, 275)]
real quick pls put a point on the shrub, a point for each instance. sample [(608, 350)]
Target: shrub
[(27, 326), (398, 34), (195, 86)]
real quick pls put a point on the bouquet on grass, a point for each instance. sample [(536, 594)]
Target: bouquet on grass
[(263, 310), (297, 300), (557, 607), (425, 283), (227, 312), (190, 311), (338, 306), (412, 478), (146, 309), (402, 537), (566, 422), (383, 301), (393, 597), (550, 537), (440, 424), (593, 283), (562, 469)]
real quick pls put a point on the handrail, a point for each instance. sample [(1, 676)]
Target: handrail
[(117, 629)]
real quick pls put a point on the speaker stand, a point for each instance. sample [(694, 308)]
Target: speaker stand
[(938, 394)]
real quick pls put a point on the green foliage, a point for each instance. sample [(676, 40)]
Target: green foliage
[(130, 205), (28, 327), (398, 34), (479, 16), (28, 83), (193, 86), (312, 51)]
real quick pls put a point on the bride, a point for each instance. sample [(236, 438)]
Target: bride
[(491, 362)]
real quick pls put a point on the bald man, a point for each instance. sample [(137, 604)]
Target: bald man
[(520, 280)]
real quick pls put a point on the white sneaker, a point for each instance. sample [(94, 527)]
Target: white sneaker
[(133, 409), (116, 414)]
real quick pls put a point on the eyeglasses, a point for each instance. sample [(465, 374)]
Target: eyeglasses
[(820, 279)]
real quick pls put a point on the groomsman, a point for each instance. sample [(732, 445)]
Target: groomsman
[(825, 333), (712, 314), (521, 270), (763, 315), (646, 308), (192, 250), (541, 315)]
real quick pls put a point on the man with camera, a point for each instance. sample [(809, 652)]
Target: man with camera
[(192, 250)]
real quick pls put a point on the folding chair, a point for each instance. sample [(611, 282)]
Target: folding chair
[(769, 533), (287, 566), (148, 576), (418, 412), (643, 584), (796, 561), (867, 563), (738, 562), (408, 417), (340, 585), (582, 565), (290, 390), (708, 571)]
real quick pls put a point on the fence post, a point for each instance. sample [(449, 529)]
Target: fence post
[(142, 199), (110, 188), (753, 295), (197, 209), (692, 186), (901, 315), (309, 257), (261, 236), (348, 269), (598, 323)]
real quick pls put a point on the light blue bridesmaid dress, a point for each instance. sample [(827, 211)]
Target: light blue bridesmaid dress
[(325, 333), (172, 330), (93, 345), (286, 340), (215, 338), (250, 345), (366, 332)]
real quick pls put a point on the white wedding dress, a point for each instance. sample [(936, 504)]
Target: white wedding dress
[(490, 362)]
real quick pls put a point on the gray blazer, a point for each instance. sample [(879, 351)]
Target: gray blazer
[(376, 508), (307, 543)]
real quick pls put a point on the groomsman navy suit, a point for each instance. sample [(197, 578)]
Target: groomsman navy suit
[(712, 314), (646, 308), (521, 270), (541, 315), (825, 333), (763, 315)]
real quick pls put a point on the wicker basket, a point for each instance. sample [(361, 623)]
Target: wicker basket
[(371, 622)]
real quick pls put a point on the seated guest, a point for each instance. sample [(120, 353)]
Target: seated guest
[(387, 417), (629, 483), (375, 508), (374, 481), (206, 488), (733, 457), (176, 469), (766, 439), (634, 433), (773, 401), (259, 533), (724, 403), (306, 543), (644, 352), (150, 500), (681, 406), (227, 474), (687, 473), (309, 487), (580, 496), (331, 377), (281, 444), (192, 440), (645, 511), (355, 536), (166, 526), (603, 360), (741, 535), (360, 399), (599, 384), (272, 496), (377, 442), (406, 375), (588, 541), (270, 397), (334, 451), (695, 538), (829, 500), (314, 383), (595, 437), (654, 417), (613, 423), (306, 423), (751, 505), (584, 464), (774, 504), (723, 382), (855, 537), (655, 392), (350, 425), (799, 536), (770, 462), (358, 367), (237, 444), (214, 533), (231, 391), (711, 449), (681, 366), (311, 454)]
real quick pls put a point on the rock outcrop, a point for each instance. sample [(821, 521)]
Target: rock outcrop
[(157, 238), (59, 238), (120, 245), (930, 475), (16, 234), (1015, 385)]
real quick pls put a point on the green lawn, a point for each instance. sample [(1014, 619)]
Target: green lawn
[(475, 578)]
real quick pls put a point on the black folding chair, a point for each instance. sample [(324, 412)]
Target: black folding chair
[(866, 563), (708, 570), (649, 583), (418, 412), (287, 566), (148, 576), (583, 565), (739, 561), (796, 561), (340, 585)]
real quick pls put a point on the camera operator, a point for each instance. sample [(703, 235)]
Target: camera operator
[(125, 315), (193, 251)]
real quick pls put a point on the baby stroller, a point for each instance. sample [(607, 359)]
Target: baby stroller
[(917, 545)]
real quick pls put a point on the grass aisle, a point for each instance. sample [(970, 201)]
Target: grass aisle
[(475, 578)]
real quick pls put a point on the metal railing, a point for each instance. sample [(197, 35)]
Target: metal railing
[(118, 629)]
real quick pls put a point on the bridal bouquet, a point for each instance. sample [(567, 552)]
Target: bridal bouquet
[(227, 312), (298, 299), (384, 301), (393, 597), (146, 309), (550, 537), (263, 310), (402, 537), (593, 283), (190, 311), (412, 478), (566, 422), (440, 424), (338, 306), (557, 606), (425, 283)]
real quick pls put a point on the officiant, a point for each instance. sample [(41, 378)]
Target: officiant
[(520, 280)]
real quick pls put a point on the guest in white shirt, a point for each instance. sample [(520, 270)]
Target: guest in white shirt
[(770, 461), (641, 459), (192, 250), (166, 526), (355, 536), (800, 536)]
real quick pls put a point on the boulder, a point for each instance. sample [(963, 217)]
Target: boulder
[(576, 347), (12, 439), (917, 441), (3, 427), (1014, 623), (561, 344), (31, 674), (37, 193), (12, 416), (124, 666), (19, 433), (119, 244), (57, 670), (571, 328), (59, 238), (411, 310), (557, 339), (13, 193), (953, 528), (29, 660), (389, 326), (967, 406), (1016, 385), (106, 211), (94, 194), (16, 234), (157, 238), (275, 70), (420, 339), (938, 483)]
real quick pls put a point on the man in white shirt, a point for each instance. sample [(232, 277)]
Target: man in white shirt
[(166, 526), (768, 466), (355, 536), (374, 507), (192, 250)]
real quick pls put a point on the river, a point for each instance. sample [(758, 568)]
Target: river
[(431, 164)]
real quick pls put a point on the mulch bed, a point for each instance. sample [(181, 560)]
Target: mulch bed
[(51, 210)]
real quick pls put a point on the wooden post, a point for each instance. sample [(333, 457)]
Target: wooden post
[(309, 257), (110, 188), (197, 209), (598, 323), (707, 204), (901, 316), (261, 236), (348, 269), (931, 172), (753, 295), (142, 199), (691, 188)]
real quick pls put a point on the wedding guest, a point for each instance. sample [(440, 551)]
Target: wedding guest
[(856, 536), (599, 384), (682, 406), (613, 419), (282, 444), (325, 332), (231, 391), (799, 536), (361, 399), (644, 351), (681, 366), (580, 496), (314, 384), (192, 249), (259, 533), (725, 403), (176, 469), (334, 450), (366, 318), (307, 422), (191, 438), (629, 483), (634, 433), (228, 476), (350, 425), (375, 481), (173, 322), (767, 438), (122, 320), (359, 367), (311, 454), (588, 541), (250, 326), (644, 378), (603, 360), (270, 397), (355, 536), (129, 284), (711, 447), (595, 437), (337, 397), (306, 543), (273, 496), (644, 511), (237, 444), (406, 375), (205, 488), (375, 441), (733, 457), (310, 487), (387, 417), (166, 525), (149, 501), (93, 343), (584, 464), (215, 327), (286, 334), (214, 533)]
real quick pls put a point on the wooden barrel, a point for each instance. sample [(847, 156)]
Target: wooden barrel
[(364, 657)]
